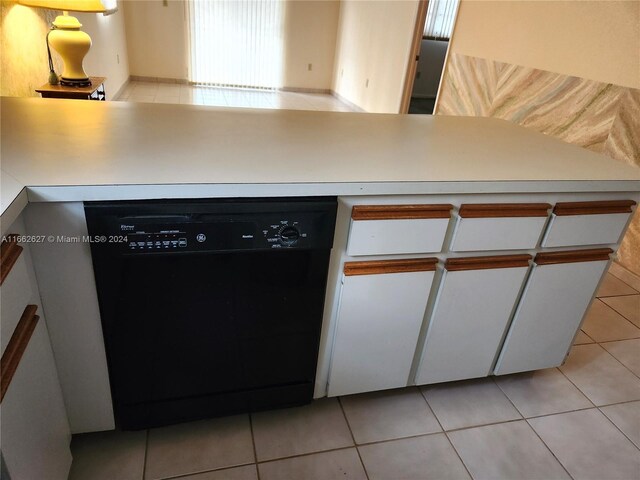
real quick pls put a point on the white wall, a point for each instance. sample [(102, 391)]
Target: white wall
[(374, 42), (108, 55), (158, 43), (598, 40), (310, 30), (156, 38)]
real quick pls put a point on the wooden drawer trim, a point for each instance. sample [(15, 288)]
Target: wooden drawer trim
[(400, 212), (591, 255), (593, 208), (16, 347), (482, 263), (499, 210), (390, 266), (9, 253)]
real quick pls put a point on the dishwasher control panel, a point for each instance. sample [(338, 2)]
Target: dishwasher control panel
[(215, 226), (143, 236)]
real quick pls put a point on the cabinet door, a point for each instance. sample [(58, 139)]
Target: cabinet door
[(396, 229), (587, 223), (471, 315), (558, 293), (381, 310)]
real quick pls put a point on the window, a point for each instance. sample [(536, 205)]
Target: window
[(236, 43), (440, 17)]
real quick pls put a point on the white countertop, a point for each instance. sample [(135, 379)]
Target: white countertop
[(81, 150)]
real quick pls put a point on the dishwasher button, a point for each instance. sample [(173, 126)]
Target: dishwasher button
[(182, 242), (289, 235)]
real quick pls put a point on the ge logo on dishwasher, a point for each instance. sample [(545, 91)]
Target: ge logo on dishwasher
[(201, 237)]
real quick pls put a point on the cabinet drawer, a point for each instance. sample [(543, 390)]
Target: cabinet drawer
[(507, 226), (471, 315), (381, 310), (558, 293), (396, 229), (587, 223), (16, 291)]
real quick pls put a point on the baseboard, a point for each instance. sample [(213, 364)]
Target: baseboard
[(122, 88), (305, 90), (353, 106), (139, 78)]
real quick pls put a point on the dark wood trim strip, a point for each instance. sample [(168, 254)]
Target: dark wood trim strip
[(16, 347), (9, 253), (592, 255), (483, 263), (593, 208), (390, 266), (499, 210), (400, 212)]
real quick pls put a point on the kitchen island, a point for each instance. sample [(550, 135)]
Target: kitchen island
[(464, 247)]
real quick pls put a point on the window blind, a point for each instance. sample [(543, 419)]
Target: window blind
[(236, 43), (441, 15)]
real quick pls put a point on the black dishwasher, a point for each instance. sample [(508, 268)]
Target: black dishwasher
[(210, 307)]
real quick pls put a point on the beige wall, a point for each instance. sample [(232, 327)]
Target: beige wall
[(24, 55), (374, 40), (310, 38), (597, 40), (156, 38)]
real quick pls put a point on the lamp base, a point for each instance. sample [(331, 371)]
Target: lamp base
[(75, 82)]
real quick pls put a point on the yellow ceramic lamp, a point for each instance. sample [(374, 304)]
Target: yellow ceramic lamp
[(66, 38)]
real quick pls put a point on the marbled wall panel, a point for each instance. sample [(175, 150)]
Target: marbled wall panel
[(573, 109), (599, 116), (624, 144), (469, 86)]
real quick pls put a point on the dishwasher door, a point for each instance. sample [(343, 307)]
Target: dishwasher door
[(193, 334)]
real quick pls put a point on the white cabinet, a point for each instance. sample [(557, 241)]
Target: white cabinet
[(587, 223), (499, 226), (15, 293), (397, 229), (475, 301), (381, 310), (34, 430), (556, 297)]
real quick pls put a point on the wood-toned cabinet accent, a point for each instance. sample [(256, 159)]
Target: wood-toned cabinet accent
[(475, 301), (587, 223), (559, 290), (499, 226), (397, 229), (9, 253), (16, 346), (380, 314)]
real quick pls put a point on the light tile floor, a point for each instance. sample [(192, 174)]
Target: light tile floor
[(579, 421), (150, 92)]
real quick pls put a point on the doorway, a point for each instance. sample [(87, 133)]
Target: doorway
[(434, 26)]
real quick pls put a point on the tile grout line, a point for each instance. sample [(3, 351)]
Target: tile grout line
[(353, 437), (619, 429), (146, 450), (619, 313), (445, 433), (200, 472), (616, 359), (253, 443), (533, 429)]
